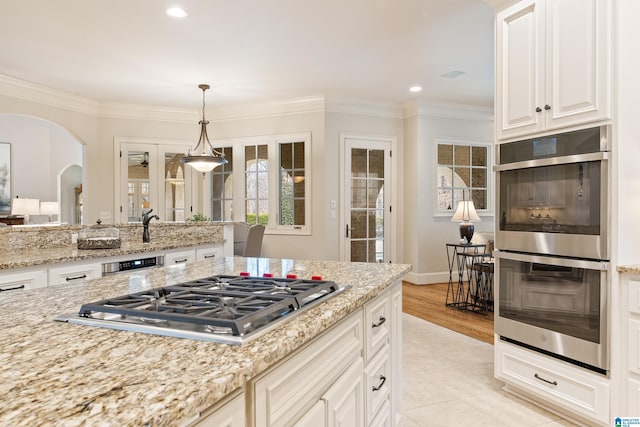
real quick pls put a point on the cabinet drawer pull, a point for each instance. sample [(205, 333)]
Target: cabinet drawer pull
[(382, 381), (546, 381), (538, 109), (209, 256), (547, 107), (380, 322), (178, 261), (11, 288), (68, 279)]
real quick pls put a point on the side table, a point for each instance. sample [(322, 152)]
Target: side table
[(457, 294)]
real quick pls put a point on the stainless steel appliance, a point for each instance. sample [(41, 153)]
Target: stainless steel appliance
[(554, 305), (553, 194), (552, 269), (132, 264), (225, 309)]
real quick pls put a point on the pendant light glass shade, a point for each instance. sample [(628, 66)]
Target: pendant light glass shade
[(203, 157)]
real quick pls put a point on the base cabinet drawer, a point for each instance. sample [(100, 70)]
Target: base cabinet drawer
[(179, 257), (74, 273), (377, 322), (23, 280), (579, 391), (210, 253), (378, 382), (383, 419)]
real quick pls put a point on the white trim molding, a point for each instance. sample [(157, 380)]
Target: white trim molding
[(451, 111), (32, 92)]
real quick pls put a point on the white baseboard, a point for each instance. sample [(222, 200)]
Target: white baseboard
[(429, 278)]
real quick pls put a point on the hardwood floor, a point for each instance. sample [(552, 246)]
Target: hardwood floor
[(428, 302)]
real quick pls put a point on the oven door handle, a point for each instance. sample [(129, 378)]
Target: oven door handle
[(562, 262), (551, 161)]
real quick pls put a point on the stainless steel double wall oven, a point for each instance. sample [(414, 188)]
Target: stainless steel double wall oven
[(553, 245)]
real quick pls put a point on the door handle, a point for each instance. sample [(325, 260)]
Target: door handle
[(346, 231)]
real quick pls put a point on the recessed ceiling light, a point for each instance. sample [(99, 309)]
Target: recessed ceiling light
[(176, 12), (415, 89), (452, 74)]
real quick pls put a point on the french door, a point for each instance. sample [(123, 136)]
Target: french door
[(152, 176), (366, 216)]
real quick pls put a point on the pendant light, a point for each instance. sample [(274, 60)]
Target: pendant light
[(204, 159)]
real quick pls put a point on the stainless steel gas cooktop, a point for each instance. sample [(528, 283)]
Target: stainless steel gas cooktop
[(226, 309)]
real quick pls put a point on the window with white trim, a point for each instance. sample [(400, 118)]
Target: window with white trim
[(270, 182), (463, 172)]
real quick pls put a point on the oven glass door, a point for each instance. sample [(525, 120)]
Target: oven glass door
[(555, 304), (564, 198)]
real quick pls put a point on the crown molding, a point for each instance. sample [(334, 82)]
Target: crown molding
[(147, 112), (32, 92), (303, 105), (451, 111), (363, 107)]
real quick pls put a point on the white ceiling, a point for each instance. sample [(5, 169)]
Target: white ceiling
[(129, 51)]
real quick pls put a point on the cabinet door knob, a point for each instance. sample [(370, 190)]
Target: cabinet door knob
[(538, 109), (547, 107)]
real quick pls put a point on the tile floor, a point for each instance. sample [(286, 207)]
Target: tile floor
[(448, 381)]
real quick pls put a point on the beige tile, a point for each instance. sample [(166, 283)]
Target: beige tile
[(448, 380)]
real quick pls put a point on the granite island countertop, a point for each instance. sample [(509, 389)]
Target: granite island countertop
[(56, 373)]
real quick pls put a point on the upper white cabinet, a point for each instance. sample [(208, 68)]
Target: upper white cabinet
[(552, 65)]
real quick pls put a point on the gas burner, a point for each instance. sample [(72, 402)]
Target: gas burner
[(220, 308)]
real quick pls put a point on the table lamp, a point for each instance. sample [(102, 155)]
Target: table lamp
[(25, 207), (466, 212)]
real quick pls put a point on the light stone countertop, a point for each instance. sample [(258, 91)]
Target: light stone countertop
[(61, 374), (635, 269), (44, 256)]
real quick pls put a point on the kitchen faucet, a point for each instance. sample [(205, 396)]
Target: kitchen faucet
[(146, 219)]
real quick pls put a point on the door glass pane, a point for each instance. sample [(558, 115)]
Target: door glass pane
[(137, 184), (367, 205), (376, 164), (174, 187), (358, 224), (359, 251), (358, 162), (222, 188)]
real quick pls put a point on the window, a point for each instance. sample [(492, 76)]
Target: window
[(222, 188), (256, 158), (462, 173), (292, 188), (272, 185)]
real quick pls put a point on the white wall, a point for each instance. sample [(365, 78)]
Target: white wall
[(40, 151), (427, 234)]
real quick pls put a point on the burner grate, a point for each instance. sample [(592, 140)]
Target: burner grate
[(234, 303)]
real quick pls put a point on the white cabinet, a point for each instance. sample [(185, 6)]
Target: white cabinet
[(344, 400), (286, 393), (553, 65), (25, 279), (557, 384), (229, 413), (74, 273), (179, 257), (349, 376)]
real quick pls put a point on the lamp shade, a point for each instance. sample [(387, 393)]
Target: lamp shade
[(49, 208), (25, 206), (466, 211)]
